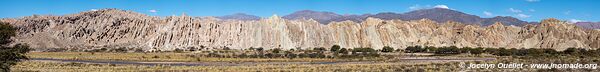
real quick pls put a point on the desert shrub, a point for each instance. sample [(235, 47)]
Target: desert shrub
[(98, 50), (532, 52), (448, 50), (290, 55), (465, 50), (121, 49), (476, 51), (178, 50), (191, 49), (56, 50), (276, 50), (387, 49), (155, 56), (503, 52), (320, 49), (343, 51), (414, 49), (490, 50), (365, 52), (571, 51), (551, 52), (139, 50), (260, 49), (334, 48), (522, 52), (430, 49)]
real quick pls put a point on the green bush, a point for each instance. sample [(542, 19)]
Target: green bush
[(365, 52), (571, 51), (430, 49), (448, 50), (414, 49), (477, 51), (387, 49), (465, 50), (121, 49), (178, 50), (335, 48), (490, 50), (6, 32), (343, 51), (10, 56), (503, 52), (276, 50)]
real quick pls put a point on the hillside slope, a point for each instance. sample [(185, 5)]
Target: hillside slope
[(112, 28)]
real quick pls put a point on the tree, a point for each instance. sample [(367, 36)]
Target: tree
[(414, 49), (334, 48), (490, 50), (6, 32), (551, 52), (9, 56), (571, 51), (477, 51), (276, 50), (320, 49), (503, 52), (343, 51), (448, 50), (465, 50), (430, 49), (387, 49)]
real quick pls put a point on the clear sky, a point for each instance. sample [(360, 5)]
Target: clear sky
[(528, 10)]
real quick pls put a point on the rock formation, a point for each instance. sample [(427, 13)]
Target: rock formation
[(114, 28)]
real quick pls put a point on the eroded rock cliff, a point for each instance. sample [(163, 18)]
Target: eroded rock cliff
[(119, 28)]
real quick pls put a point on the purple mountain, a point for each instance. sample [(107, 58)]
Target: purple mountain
[(239, 16), (589, 25), (435, 14), (443, 15), (321, 17)]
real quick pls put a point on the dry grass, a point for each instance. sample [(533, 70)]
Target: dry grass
[(169, 56), (379, 66), (385, 67)]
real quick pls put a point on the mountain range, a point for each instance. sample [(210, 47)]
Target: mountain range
[(114, 28), (435, 14), (589, 25)]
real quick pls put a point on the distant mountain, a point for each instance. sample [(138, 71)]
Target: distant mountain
[(435, 14), (506, 20), (355, 18), (589, 25), (239, 16), (443, 15), (321, 17)]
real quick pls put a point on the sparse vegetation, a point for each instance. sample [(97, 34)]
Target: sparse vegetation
[(10, 56), (387, 49), (318, 54), (527, 52)]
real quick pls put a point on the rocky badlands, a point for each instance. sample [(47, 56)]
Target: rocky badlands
[(112, 28)]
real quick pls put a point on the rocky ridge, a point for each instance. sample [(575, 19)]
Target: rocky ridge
[(115, 28)]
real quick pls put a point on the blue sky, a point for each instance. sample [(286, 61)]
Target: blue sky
[(528, 10)]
